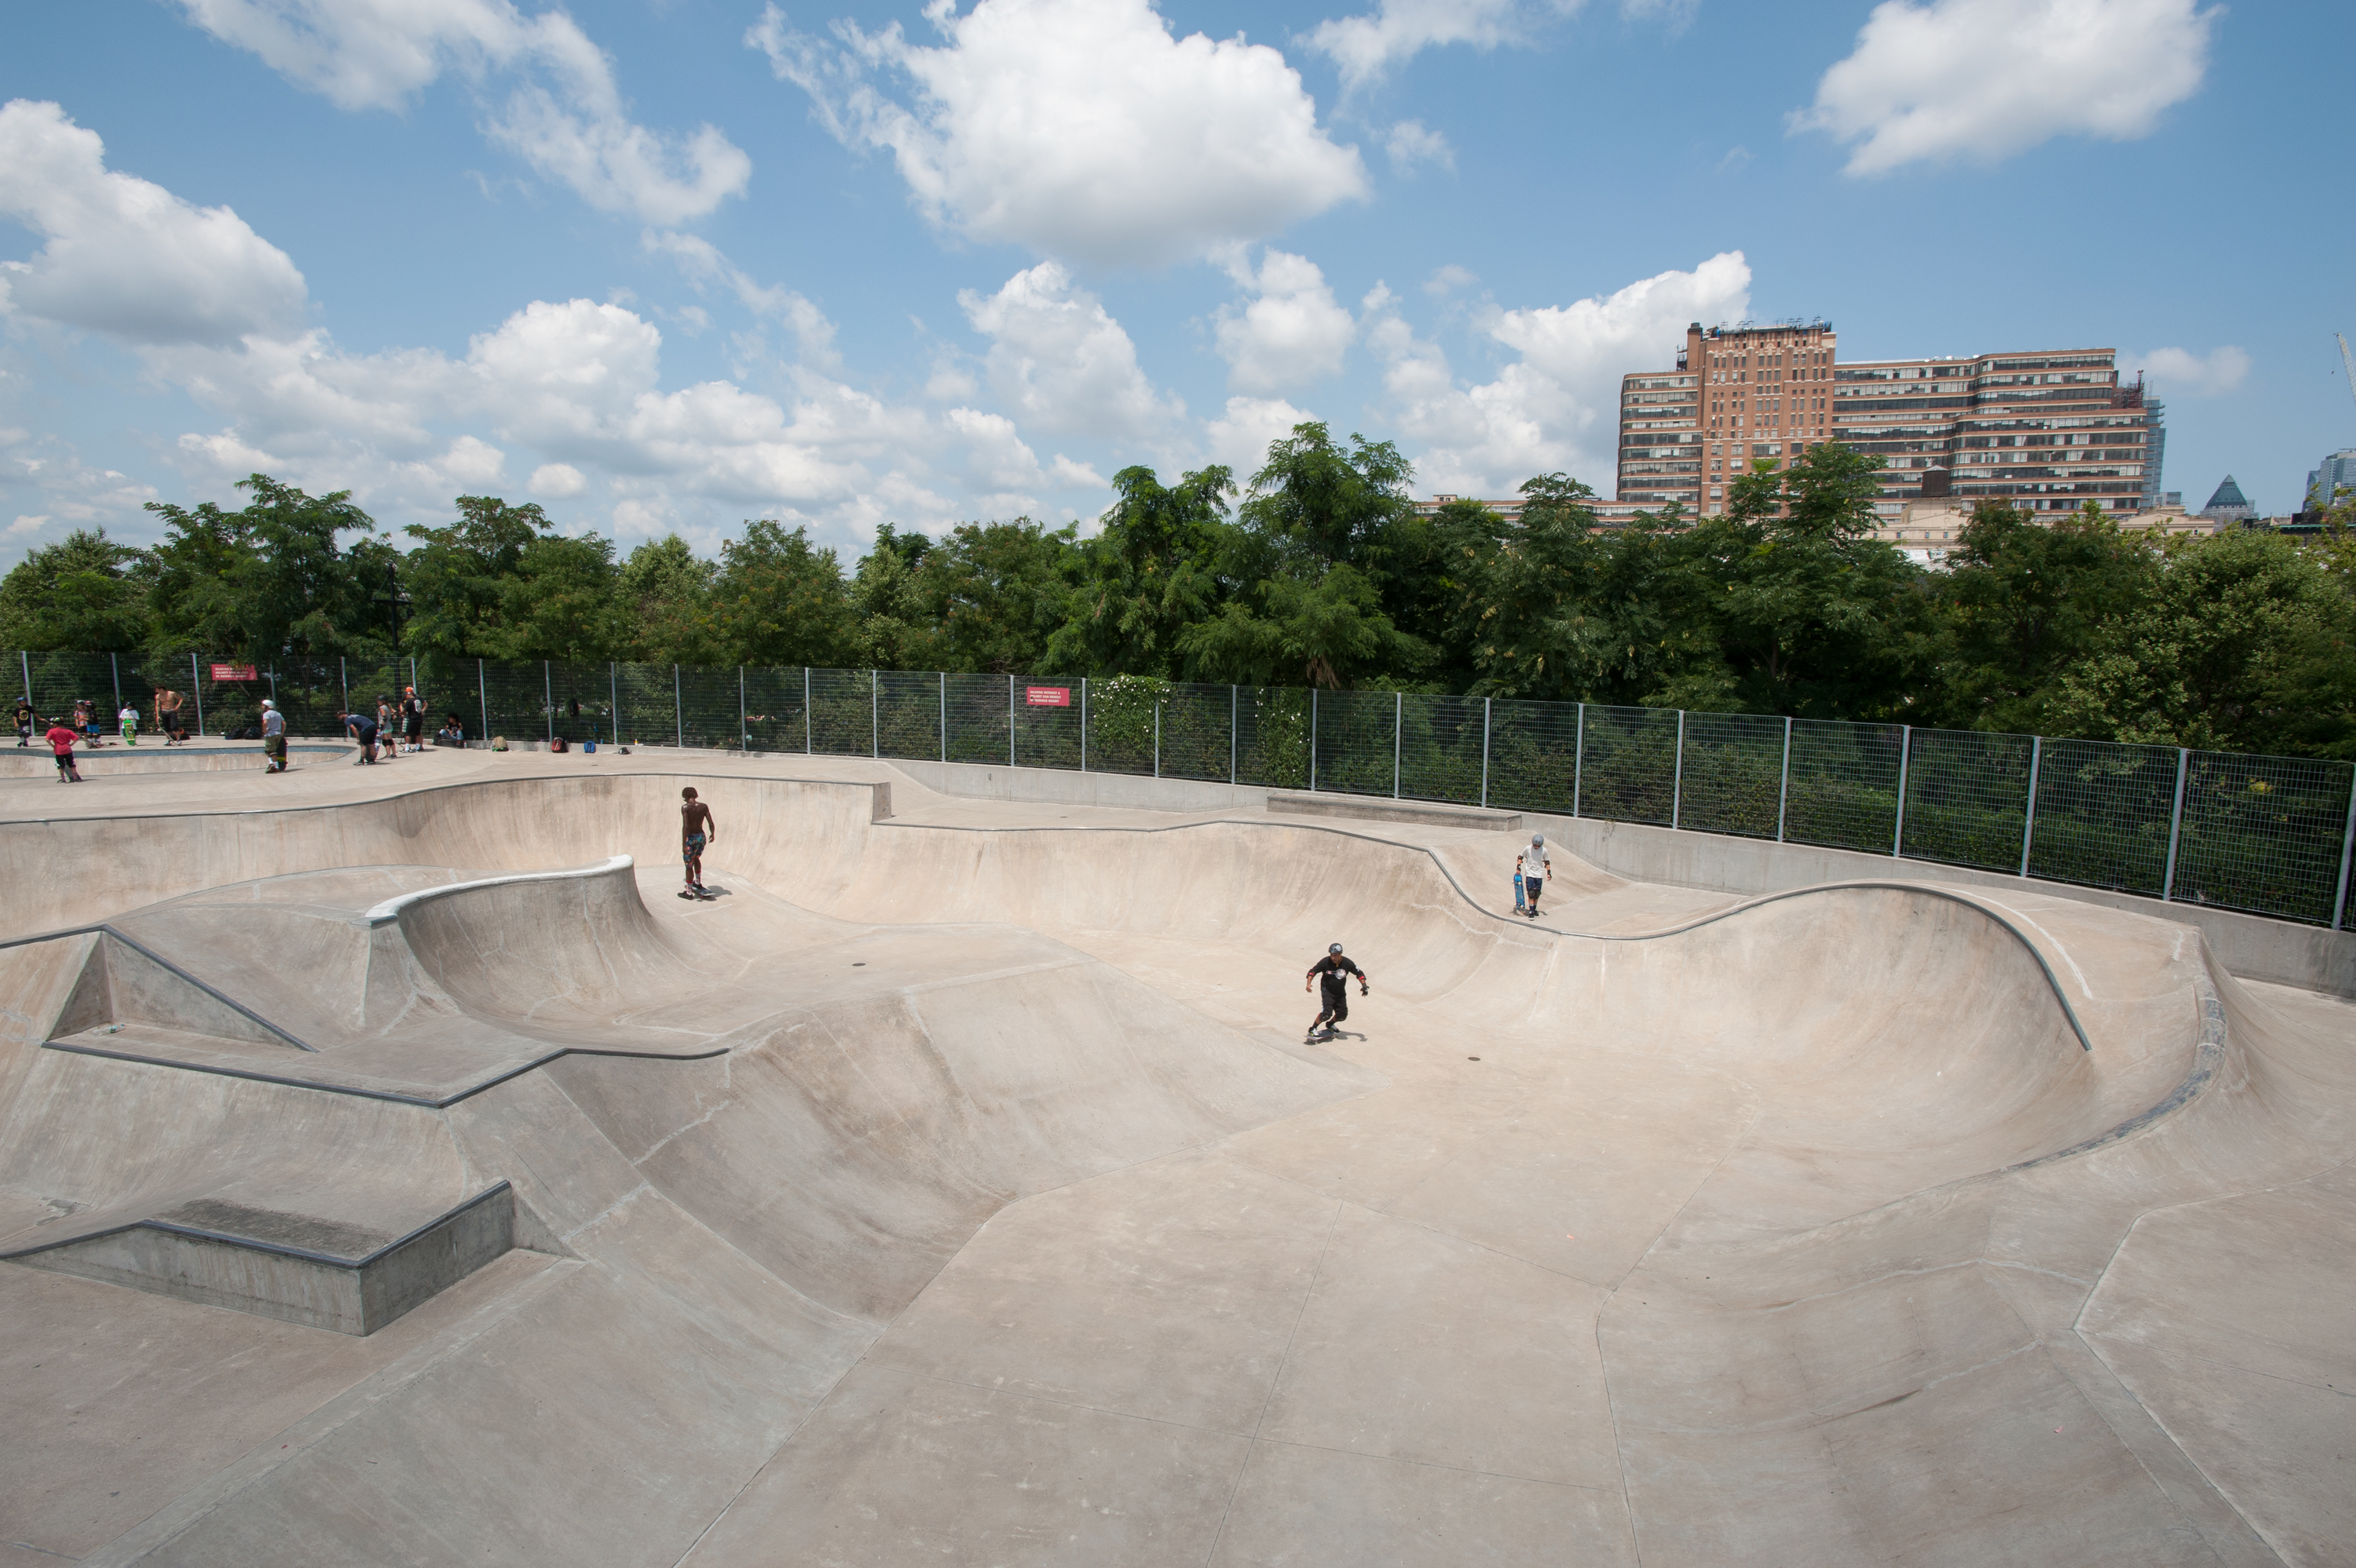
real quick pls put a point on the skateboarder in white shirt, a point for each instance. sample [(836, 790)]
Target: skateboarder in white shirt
[(1533, 867)]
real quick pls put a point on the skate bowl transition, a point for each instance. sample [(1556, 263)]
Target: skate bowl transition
[(414, 1179)]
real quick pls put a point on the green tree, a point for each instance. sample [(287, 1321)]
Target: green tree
[(892, 625), (2021, 604), (2231, 628), (666, 598), (1153, 572), (268, 579), (460, 577), (998, 592), (78, 595), (779, 600), (562, 601)]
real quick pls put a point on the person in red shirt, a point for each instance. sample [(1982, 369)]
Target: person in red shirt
[(61, 743)]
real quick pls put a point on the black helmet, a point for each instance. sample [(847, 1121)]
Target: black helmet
[(1335, 948)]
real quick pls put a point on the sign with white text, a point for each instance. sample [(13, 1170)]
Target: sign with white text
[(1048, 696), (234, 672)]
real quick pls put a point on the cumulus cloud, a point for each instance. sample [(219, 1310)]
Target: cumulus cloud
[(1410, 143), (1292, 333), (706, 268), (126, 257), (1059, 359), (1241, 435), (558, 481), (1079, 128), (2178, 372), (565, 113), (1982, 79), (1367, 47), (1555, 407)]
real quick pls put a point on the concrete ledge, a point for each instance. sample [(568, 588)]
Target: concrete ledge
[(1371, 808), (299, 1269)]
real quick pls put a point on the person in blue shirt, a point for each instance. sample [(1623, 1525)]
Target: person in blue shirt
[(361, 727)]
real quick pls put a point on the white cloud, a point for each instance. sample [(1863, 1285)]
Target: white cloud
[(705, 267), (127, 257), (1365, 47), (1071, 475), (27, 525), (2178, 372), (1079, 128), (1241, 436), (558, 481), (1555, 408), (1292, 333), (566, 115), (1446, 277), (1982, 79), (1061, 362), (1412, 142)]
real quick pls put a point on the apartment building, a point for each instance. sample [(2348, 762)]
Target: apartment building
[(2044, 430)]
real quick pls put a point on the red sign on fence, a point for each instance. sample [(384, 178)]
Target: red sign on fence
[(234, 672), (1048, 696)]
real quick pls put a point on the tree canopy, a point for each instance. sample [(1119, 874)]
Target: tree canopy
[(1318, 569)]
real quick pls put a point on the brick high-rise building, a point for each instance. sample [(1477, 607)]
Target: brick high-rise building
[(2044, 430)]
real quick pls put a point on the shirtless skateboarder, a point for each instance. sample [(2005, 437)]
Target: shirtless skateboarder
[(697, 829)]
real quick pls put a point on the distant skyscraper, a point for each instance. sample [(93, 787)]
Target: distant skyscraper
[(2154, 451), (2333, 474), (2229, 505)]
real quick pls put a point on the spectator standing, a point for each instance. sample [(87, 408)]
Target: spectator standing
[(168, 704), (129, 720), (273, 738), (23, 722)]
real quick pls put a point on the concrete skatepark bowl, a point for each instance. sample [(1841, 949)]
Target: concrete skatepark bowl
[(393, 1170)]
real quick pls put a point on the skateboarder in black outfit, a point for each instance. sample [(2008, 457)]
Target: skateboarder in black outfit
[(1331, 973)]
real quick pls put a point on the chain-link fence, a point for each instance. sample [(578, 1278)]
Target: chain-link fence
[(2270, 836)]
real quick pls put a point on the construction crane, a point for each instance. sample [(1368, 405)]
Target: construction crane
[(2347, 362)]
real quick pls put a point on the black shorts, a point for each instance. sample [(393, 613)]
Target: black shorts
[(1337, 1002), (1532, 887), (65, 762)]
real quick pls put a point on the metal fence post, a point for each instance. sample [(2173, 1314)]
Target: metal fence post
[(678, 710), (25, 662), (1010, 719), (2175, 825), (1312, 740), (1485, 752), (1084, 723), (114, 667), (483, 697), (1233, 708), (1677, 778), (1399, 724), (613, 696), (944, 716), (2347, 845), (196, 689), (874, 715), (1157, 737), (344, 680), (1905, 753), (1784, 788), (1578, 760), (806, 710), (744, 735), (2028, 822), (547, 697)]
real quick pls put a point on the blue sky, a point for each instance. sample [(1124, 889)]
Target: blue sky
[(669, 265)]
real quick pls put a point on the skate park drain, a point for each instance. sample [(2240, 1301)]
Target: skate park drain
[(1471, 1059)]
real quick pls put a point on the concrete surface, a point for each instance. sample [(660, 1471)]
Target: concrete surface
[(957, 1186)]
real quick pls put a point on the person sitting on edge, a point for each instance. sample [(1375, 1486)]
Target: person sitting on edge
[(360, 727), (452, 732), (1534, 868), (697, 829), (61, 745), (273, 738), (1332, 974)]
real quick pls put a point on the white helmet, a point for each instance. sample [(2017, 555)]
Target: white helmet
[(267, 703), (1537, 840)]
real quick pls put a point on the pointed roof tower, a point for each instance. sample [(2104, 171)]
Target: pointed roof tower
[(2228, 503)]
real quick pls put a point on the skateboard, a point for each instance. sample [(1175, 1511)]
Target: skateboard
[(1520, 907)]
